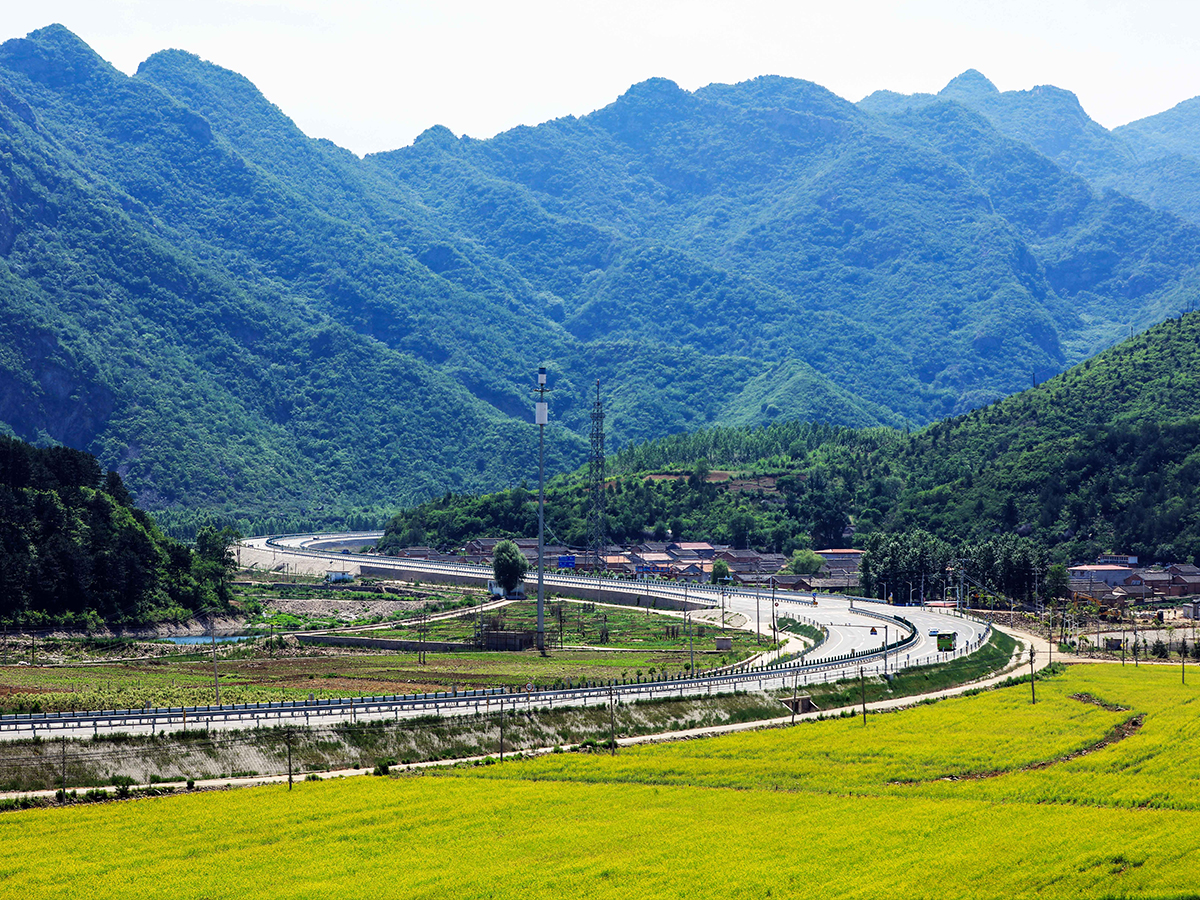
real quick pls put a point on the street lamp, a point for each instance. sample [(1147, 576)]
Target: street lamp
[(757, 605), (687, 620), (774, 630), (723, 582)]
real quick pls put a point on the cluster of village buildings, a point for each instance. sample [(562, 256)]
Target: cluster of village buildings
[(1117, 581), (1114, 581), (689, 561)]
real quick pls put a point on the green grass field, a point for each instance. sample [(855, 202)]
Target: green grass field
[(983, 796), (588, 624)]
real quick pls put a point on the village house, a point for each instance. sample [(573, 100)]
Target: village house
[(703, 549), (1185, 580), (1108, 574)]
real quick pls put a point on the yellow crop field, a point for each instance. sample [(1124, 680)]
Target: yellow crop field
[(994, 731), (981, 797)]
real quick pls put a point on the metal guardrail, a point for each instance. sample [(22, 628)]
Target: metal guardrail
[(437, 703), (452, 702)]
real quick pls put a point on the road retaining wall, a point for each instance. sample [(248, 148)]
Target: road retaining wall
[(599, 593)]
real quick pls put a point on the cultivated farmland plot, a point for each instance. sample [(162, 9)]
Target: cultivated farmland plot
[(636, 644), (1092, 792)]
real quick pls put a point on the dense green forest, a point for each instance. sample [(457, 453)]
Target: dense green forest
[(74, 550), (1104, 457), (258, 329), (1155, 159)]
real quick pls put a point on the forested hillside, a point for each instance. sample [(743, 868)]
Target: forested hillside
[(1155, 159), (255, 327), (74, 550), (1104, 457), (215, 335)]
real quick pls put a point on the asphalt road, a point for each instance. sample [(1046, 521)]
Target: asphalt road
[(849, 624)]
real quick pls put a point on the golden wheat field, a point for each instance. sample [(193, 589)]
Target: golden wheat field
[(1092, 792)]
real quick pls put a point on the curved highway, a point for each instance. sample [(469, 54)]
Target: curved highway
[(856, 631), (849, 621)]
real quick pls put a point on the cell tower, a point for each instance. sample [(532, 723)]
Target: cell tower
[(597, 522)]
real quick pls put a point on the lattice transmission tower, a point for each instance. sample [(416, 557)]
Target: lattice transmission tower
[(597, 524)]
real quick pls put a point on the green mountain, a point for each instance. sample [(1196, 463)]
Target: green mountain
[(252, 326), (773, 217), (1154, 160), (213, 334), (1175, 131), (1103, 457)]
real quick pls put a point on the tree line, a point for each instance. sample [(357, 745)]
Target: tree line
[(75, 551)]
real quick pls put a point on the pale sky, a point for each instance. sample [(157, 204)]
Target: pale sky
[(371, 75)]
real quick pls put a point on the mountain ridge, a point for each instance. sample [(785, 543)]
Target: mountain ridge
[(252, 324)]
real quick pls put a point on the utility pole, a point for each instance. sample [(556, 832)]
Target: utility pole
[(421, 629), (289, 749), (757, 605), (1032, 676), (774, 630), (885, 649), (502, 727), (541, 418), (723, 604), (212, 630), (64, 768), (795, 678), (687, 618), (862, 680), (612, 722)]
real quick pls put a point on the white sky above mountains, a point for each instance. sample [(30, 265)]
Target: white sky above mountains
[(373, 74)]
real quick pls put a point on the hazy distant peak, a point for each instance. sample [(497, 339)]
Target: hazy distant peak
[(645, 107), (655, 91), (178, 68), (53, 55), (170, 60), (1053, 92), (1174, 131), (971, 83), (780, 91), (435, 136)]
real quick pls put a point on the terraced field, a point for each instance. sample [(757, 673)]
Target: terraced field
[(1092, 792)]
